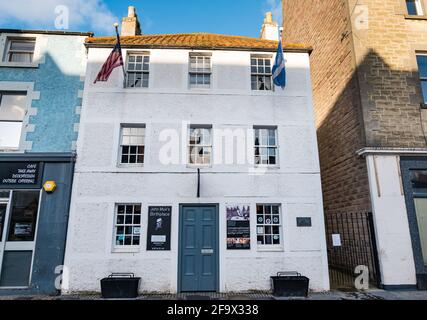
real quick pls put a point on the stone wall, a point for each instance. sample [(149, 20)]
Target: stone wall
[(325, 25)]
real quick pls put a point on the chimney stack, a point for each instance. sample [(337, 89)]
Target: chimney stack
[(270, 28), (130, 24)]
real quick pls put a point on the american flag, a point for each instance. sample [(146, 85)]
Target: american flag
[(114, 60)]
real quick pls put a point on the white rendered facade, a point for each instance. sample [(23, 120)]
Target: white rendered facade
[(170, 106)]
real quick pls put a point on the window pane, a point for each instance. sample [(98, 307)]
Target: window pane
[(12, 107), (3, 208), (20, 57), (267, 81), (424, 90), (10, 135), (22, 45), (412, 7), (272, 137), (23, 215), (421, 212), (422, 65)]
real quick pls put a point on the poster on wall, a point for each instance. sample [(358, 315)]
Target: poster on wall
[(159, 228), (20, 174), (238, 227)]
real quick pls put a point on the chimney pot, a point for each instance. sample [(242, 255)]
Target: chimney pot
[(131, 11), (270, 28), (130, 24)]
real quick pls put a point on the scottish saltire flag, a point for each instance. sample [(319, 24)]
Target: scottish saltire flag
[(114, 60), (279, 70)]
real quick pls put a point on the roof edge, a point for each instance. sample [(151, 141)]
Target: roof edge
[(51, 32), (216, 48)]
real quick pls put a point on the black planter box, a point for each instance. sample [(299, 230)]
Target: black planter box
[(290, 284), (120, 286)]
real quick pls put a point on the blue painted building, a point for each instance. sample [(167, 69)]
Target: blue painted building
[(41, 87)]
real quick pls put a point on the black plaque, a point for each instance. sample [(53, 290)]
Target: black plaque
[(238, 227), (159, 228), (20, 174), (303, 222)]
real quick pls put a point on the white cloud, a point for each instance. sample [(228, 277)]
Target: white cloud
[(274, 6), (40, 14)]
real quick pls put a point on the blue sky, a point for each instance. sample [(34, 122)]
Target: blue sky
[(239, 17)]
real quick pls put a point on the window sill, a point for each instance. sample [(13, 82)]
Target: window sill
[(199, 166), (270, 249), (415, 17), (125, 250), (130, 166), (267, 167), (18, 65)]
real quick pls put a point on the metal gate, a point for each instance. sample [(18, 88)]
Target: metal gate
[(355, 246)]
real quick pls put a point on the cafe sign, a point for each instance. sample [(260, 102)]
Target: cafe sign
[(20, 174)]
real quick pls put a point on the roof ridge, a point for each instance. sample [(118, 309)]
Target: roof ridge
[(188, 34), (196, 40)]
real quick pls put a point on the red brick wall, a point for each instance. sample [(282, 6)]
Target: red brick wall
[(325, 25)]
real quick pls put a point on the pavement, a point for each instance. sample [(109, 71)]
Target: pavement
[(331, 295)]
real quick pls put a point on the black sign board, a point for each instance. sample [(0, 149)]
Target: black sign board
[(20, 174), (159, 228), (303, 222), (238, 227)]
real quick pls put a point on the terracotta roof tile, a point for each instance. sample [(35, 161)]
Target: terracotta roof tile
[(194, 40)]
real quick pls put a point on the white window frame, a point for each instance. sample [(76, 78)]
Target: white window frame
[(20, 93), (121, 145), (200, 71), (208, 146), (267, 146), (263, 74), (38, 57), (127, 248), (143, 72), (270, 247), (9, 51)]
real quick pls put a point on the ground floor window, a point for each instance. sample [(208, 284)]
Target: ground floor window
[(127, 228), (268, 224)]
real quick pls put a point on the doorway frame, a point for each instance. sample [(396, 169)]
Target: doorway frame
[(408, 164), (180, 241), (19, 245)]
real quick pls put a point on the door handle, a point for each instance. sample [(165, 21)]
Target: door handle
[(207, 251)]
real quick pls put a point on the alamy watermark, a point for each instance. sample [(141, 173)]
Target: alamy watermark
[(62, 18)]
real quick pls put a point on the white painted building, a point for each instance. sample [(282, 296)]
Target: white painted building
[(183, 93)]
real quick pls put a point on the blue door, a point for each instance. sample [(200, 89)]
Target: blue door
[(198, 248)]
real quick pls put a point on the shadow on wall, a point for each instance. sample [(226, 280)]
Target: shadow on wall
[(390, 117), (56, 109)]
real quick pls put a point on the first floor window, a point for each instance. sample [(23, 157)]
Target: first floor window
[(137, 70), (268, 224), (200, 70), (20, 50), (261, 76), (132, 145), (200, 146), (266, 146), (422, 67), (12, 113), (414, 7), (128, 225)]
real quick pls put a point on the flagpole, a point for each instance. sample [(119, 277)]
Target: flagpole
[(116, 26)]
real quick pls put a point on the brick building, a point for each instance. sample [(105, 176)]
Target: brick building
[(369, 67)]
